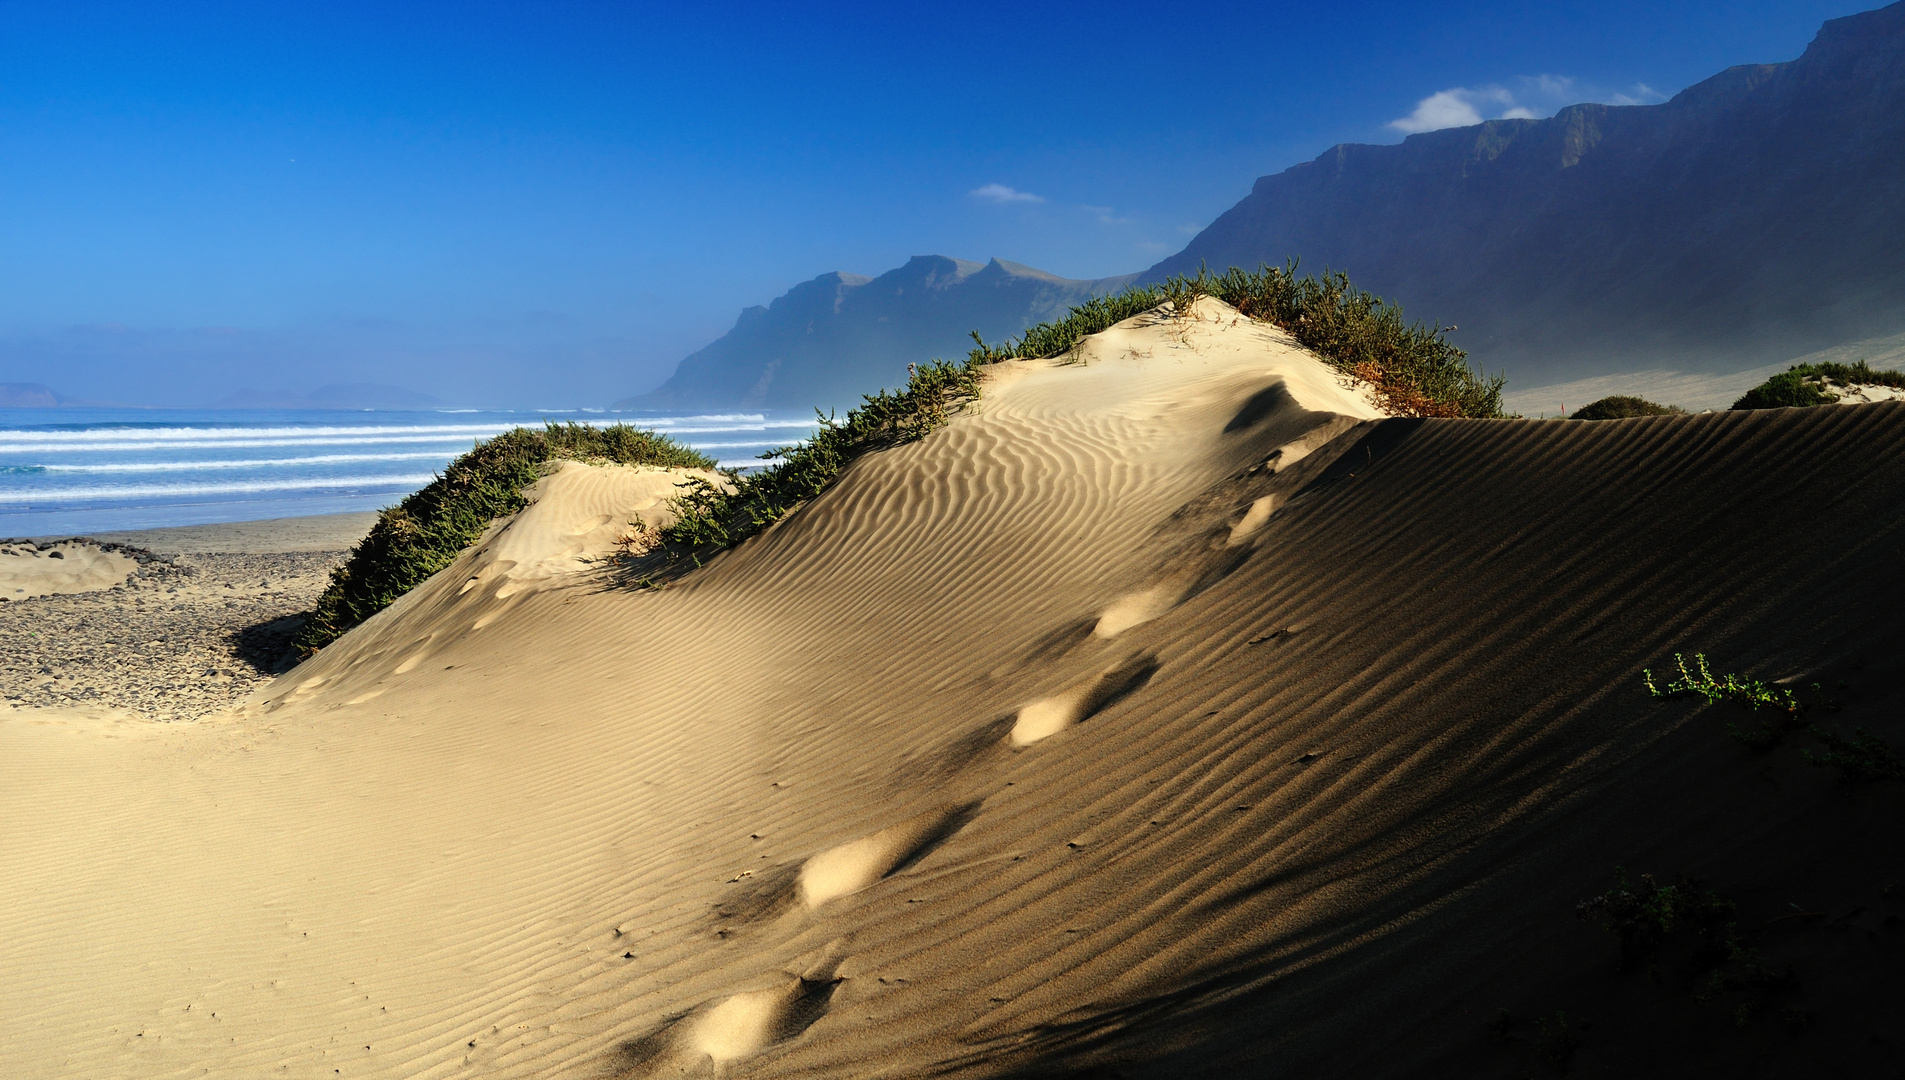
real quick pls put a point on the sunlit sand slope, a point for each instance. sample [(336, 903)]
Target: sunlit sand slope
[(1166, 712)]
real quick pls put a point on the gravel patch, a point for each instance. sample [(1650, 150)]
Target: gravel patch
[(183, 636)]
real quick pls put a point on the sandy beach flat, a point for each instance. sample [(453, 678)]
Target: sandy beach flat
[(1169, 713), (321, 532)]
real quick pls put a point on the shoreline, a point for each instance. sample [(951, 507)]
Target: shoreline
[(262, 536)]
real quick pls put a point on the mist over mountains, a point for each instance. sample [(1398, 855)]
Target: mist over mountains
[(829, 340), (1754, 217)]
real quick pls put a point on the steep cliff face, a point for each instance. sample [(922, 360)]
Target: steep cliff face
[(829, 340), (1757, 215)]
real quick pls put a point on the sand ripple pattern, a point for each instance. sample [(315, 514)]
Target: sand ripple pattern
[(787, 817)]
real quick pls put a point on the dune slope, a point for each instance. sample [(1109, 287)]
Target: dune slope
[(1168, 713)]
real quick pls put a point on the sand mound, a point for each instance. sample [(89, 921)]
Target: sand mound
[(1167, 712), (72, 566)]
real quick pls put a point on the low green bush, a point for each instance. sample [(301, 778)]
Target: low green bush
[(1622, 406), (425, 532), (1811, 384)]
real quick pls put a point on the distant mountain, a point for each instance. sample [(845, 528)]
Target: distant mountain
[(1757, 215), (830, 340), (333, 396), (28, 395)]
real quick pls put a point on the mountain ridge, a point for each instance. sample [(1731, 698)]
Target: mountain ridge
[(1752, 217), (834, 337)]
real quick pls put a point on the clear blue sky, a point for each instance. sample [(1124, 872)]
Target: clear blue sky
[(551, 203)]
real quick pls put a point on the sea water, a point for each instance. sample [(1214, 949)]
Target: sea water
[(73, 471)]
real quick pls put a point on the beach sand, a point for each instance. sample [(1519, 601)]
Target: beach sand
[(1166, 714)]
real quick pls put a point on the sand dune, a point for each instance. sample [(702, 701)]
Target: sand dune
[(1168, 712)]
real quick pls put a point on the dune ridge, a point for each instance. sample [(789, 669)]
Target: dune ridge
[(1378, 721)]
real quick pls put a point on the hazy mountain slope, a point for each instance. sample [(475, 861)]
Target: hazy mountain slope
[(1757, 215), (829, 340), (16, 395)]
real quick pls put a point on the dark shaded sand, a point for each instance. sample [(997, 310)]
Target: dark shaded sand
[(1105, 732)]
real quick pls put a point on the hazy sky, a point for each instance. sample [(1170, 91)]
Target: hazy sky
[(554, 201)]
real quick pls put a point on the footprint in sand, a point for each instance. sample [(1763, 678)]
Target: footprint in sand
[(1048, 716), (733, 1028), (1193, 575), (747, 1023), (839, 871), (844, 870), (1254, 520)]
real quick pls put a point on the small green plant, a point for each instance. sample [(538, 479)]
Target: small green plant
[(1858, 757), (708, 518), (1647, 917), (1558, 1041), (1622, 406), (1183, 293), (1806, 385), (1748, 693), (1751, 693), (427, 530), (1642, 915)]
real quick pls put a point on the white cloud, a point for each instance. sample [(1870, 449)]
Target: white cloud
[(1105, 214), (1458, 106), (1549, 86), (999, 193), (1641, 95), (1529, 97)]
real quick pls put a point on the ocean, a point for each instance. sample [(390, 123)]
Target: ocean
[(73, 471)]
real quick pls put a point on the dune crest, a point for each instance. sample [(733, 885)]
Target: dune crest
[(870, 794)]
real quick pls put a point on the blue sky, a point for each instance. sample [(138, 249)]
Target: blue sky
[(559, 200)]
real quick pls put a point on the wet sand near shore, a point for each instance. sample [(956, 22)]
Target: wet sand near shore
[(196, 625)]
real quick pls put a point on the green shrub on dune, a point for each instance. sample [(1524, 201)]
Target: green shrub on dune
[(1622, 406), (1812, 384), (425, 532)]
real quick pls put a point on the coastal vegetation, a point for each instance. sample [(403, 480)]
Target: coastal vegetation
[(425, 532), (1622, 406), (1806, 385), (1412, 369), (1860, 756)]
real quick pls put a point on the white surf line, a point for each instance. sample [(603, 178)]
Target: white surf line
[(239, 463), (173, 434), (231, 444), (265, 443), (146, 491)]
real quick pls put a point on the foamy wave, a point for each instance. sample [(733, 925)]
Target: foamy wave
[(235, 463), (222, 444), (705, 418), (211, 436), (13, 442), (156, 491)]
